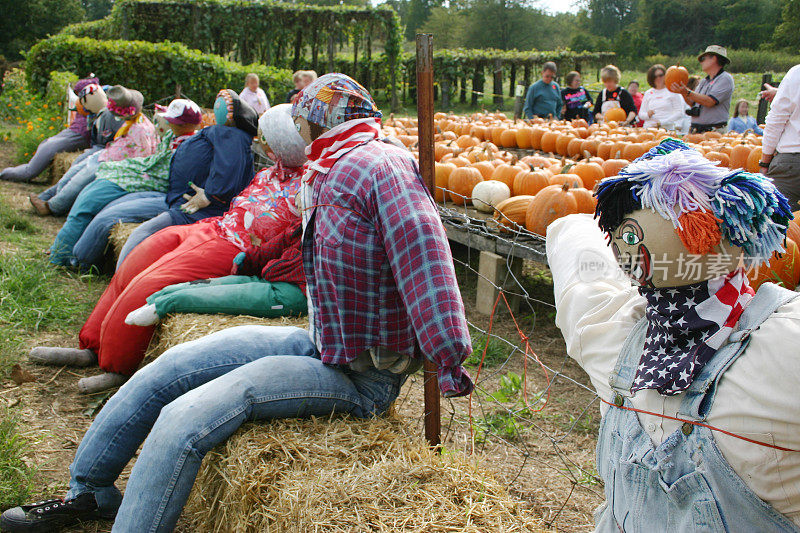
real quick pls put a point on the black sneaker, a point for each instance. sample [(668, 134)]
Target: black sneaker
[(52, 515)]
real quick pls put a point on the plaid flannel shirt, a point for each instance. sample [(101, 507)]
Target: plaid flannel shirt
[(378, 265)]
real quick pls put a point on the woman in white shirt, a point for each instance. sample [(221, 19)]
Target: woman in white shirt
[(660, 107), (254, 95)]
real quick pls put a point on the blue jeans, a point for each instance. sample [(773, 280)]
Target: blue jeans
[(64, 141), (156, 224), (62, 195), (193, 398), (133, 207)]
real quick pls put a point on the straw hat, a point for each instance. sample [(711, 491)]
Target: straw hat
[(719, 51)]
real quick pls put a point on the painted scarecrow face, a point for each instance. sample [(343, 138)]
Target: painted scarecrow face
[(651, 253), (93, 98)]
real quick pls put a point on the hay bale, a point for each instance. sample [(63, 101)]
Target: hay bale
[(61, 163), (177, 329), (343, 474), (119, 234)]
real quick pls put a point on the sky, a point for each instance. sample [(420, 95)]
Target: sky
[(558, 6)]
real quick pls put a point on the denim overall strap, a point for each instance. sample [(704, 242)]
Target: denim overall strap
[(699, 397), (621, 380)]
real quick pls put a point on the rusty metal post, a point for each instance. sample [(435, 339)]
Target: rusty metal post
[(426, 166)]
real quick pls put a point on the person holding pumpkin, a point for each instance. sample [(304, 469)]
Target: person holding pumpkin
[(613, 96), (212, 168), (661, 108), (380, 277), (711, 101), (697, 372), (263, 215), (543, 98), (136, 137), (75, 137)]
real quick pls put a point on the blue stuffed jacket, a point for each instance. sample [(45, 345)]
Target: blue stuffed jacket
[(217, 159)]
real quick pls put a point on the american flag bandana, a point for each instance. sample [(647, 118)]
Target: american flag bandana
[(333, 144), (686, 327)]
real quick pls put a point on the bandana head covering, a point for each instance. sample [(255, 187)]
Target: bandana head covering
[(334, 99), (230, 110)]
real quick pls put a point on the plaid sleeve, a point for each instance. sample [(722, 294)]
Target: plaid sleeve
[(419, 254)]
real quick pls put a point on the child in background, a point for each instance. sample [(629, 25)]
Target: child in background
[(301, 79), (254, 95), (633, 89), (742, 121)]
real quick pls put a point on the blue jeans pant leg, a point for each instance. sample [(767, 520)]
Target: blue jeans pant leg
[(133, 207), (64, 141), (129, 415), (268, 388), (156, 224), (77, 165), (62, 201), (89, 203)]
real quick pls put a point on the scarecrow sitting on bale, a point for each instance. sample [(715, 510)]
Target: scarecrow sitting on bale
[(698, 374), (380, 276)]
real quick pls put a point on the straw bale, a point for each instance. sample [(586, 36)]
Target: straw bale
[(342, 474), (119, 234), (180, 328), (61, 163)]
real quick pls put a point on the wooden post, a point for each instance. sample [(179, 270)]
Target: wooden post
[(426, 167), (498, 84), (763, 105)]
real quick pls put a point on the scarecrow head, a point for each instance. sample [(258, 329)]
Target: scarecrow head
[(91, 98), (673, 218), (230, 110)]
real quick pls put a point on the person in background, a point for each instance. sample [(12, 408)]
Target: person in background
[(780, 159), (613, 96), (742, 121), (633, 89), (71, 139), (661, 108), (253, 94), (301, 79), (575, 98), (544, 97), (711, 101)]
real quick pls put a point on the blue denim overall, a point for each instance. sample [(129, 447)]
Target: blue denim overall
[(684, 483)]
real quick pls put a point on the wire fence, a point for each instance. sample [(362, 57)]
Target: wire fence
[(532, 417)]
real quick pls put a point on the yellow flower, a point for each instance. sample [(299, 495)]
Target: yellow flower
[(50, 128), (28, 102), (26, 153), (44, 106)]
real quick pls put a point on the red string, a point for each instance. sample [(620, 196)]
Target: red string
[(696, 423)]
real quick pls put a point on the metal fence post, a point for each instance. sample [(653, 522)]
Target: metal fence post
[(426, 167)]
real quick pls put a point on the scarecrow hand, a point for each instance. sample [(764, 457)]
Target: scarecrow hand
[(195, 203), (237, 262)]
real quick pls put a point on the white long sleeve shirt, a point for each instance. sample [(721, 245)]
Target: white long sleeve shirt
[(782, 130), (756, 397), (667, 109)]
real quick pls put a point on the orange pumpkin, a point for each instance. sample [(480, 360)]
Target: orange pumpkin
[(485, 168), (615, 114), (604, 149), (466, 141), (461, 182), (536, 138), (512, 211), (442, 173), (633, 150), (783, 269), (508, 138), (524, 137), (573, 180), (590, 173), (793, 231), (530, 183), (611, 167), (549, 141), (585, 200), (549, 204), (506, 173), (753, 159), (739, 155), (574, 147), (723, 159), (589, 146), (676, 74)]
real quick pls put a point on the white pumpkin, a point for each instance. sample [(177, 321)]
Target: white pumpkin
[(489, 193)]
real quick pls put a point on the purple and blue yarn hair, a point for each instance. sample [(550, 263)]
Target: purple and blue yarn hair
[(673, 179)]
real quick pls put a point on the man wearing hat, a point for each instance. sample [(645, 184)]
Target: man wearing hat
[(136, 137), (711, 101), (126, 179)]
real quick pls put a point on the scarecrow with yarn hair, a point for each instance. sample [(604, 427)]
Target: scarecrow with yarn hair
[(696, 371)]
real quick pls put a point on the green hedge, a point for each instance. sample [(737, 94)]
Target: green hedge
[(741, 61), (153, 68), (96, 29)]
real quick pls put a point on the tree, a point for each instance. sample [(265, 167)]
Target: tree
[(503, 24), (25, 22), (787, 34), (447, 26), (97, 9), (609, 17), (682, 26), (748, 23)]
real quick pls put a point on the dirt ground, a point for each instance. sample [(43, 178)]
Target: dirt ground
[(547, 459)]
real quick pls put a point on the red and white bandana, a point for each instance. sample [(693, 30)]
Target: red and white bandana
[(336, 142)]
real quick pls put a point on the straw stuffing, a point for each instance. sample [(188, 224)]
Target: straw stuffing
[(119, 234), (61, 163), (342, 474)]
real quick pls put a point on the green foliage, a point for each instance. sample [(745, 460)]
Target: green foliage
[(501, 24), (609, 17), (97, 9), (447, 26), (96, 29), (787, 34), (758, 61), (36, 116), (25, 22), (16, 478), (152, 68), (748, 23), (497, 352)]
